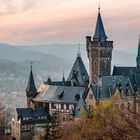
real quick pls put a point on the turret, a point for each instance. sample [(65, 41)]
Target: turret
[(99, 34), (31, 90), (99, 52)]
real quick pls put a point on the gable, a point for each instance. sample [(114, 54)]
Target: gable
[(90, 98)]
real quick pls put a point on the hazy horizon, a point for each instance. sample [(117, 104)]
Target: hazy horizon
[(69, 21)]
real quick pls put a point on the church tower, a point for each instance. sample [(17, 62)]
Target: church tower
[(31, 90), (99, 51), (138, 55)]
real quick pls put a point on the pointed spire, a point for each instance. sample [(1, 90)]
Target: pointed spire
[(139, 42), (99, 8), (31, 88), (49, 79), (63, 78), (31, 65), (78, 54), (138, 54), (99, 30)]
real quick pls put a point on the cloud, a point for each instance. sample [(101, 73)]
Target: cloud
[(16, 6), (65, 21)]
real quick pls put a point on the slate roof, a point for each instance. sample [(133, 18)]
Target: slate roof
[(30, 116), (99, 30), (124, 70), (132, 72), (31, 88), (58, 83), (107, 85), (59, 94), (79, 72)]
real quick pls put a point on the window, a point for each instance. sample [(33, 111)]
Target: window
[(30, 118), (53, 106), (77, 97), (60, 95), (64, 119), (67, 106), (90, 96), (62, 106)]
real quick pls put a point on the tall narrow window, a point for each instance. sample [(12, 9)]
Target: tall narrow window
[(128, 106)]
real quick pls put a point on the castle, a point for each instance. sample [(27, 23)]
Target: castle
[(64, 99)]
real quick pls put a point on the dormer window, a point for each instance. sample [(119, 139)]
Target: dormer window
[(60, 95), (77, 97)]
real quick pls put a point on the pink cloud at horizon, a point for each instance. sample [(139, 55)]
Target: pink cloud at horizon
[(68, 21)]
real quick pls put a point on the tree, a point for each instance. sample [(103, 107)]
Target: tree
[(2, 120), (105, 121)]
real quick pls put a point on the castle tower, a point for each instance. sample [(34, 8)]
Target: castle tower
[(138, 55), (99, 51), (31, 90)]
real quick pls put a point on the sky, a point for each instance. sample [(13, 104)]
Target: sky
[(69, 21)]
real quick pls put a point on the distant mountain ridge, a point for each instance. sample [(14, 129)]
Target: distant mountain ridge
[(53, 58), (69, 52), (15, 54)]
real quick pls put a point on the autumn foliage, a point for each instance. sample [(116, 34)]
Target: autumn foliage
[(104, 122)]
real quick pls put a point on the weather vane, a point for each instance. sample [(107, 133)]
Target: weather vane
[(99, 8), (78, 54), (31, 65)]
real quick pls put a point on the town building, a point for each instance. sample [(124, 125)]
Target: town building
[(106, 87), (62, 97), (54, 100), (27, 121)]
